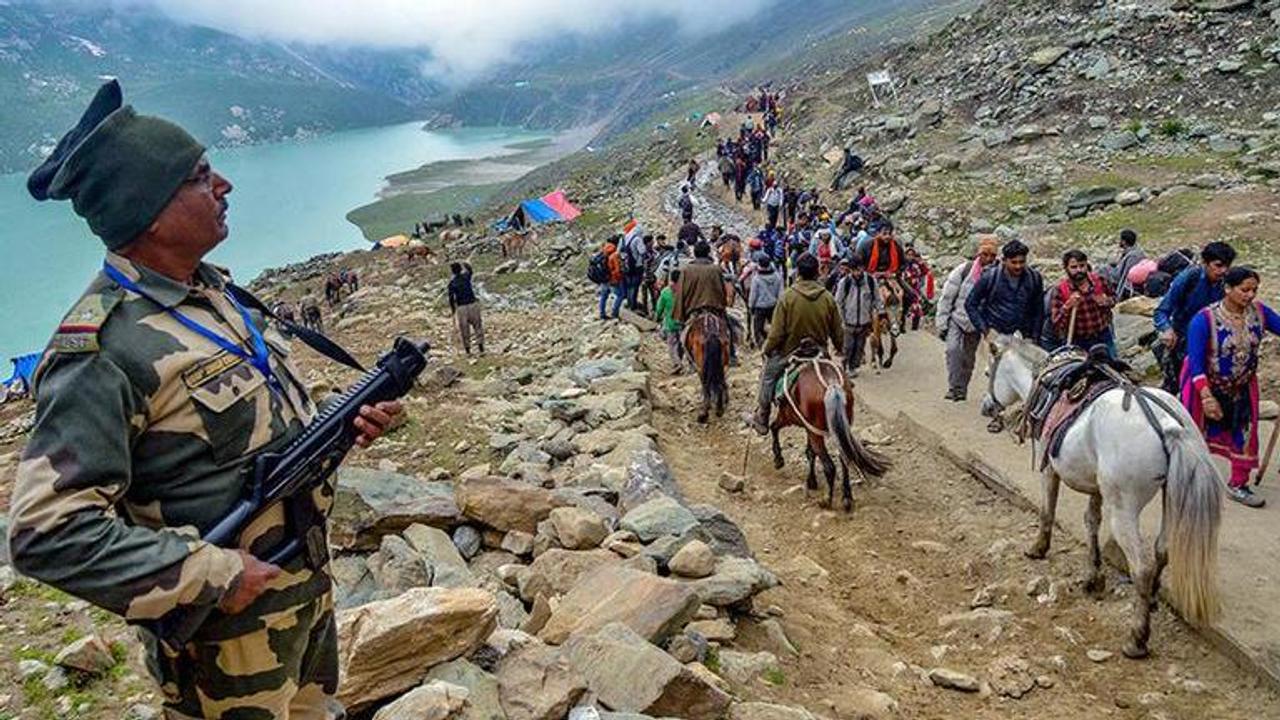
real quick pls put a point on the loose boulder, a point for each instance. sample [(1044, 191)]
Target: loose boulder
[(694, 560), (386, 647), (89, 654), (505, 504), (578, 528), (483, 701), (434, 701), (557, 571), (372, 503), (658, 517), (537, 682), (629, 674), (735, 580), (651, 606)]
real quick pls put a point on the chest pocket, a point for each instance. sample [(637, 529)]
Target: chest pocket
[(234, 405)]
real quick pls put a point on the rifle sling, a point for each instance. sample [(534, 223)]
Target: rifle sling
[(314, 340)]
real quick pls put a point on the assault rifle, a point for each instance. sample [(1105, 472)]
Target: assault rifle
[(289, 476)]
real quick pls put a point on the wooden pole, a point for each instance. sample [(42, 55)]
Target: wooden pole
[(1271, 446), (1071, 325)]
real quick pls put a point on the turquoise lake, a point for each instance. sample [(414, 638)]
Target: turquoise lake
[(290, 202)]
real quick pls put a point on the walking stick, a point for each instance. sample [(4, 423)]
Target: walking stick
[(1271, 446), (1071, 325)]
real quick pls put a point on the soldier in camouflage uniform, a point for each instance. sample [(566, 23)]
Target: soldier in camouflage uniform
[(154, 393)]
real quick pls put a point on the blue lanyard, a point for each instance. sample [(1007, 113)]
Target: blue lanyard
[(259, 358)]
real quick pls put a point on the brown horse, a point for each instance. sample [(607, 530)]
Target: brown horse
[(419, 251), (707, 342), (887, 324), (515, 243), (821, 401)]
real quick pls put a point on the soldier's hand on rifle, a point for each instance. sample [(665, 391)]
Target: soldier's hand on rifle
[(374, 420), (250, 585)]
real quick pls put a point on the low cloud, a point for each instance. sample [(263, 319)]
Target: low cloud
[(466, 37)]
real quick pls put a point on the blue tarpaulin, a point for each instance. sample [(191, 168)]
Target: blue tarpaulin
[(539, 212), (24, 367)]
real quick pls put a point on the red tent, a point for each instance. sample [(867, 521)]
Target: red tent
[(558, 202)]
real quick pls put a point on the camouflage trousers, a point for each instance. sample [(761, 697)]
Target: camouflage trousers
[(287, 668)]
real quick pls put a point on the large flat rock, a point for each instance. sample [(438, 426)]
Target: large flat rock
[(505, 504), (557, 571), (629, 674), (651, 606), (386, 647), (537, 682), (372, 503)]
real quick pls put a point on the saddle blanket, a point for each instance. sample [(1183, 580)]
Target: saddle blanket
[(1063, 415), (788, 378)]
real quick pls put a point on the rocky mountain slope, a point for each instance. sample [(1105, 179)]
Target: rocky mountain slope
[(1064, 122), (232, 90), (226, 89)]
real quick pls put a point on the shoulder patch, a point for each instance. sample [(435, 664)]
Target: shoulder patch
[(78, 331)]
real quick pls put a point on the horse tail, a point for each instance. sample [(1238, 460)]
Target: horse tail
[(712, 364), (1192, 514), (868, 461)]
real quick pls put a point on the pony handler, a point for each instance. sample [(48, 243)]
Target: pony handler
[(1125, 445)]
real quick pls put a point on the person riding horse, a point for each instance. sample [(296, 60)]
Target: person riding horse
[(702, 286), (702, 300), (806, 312), (885, 263)]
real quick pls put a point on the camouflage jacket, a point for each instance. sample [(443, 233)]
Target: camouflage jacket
[(142, 429)]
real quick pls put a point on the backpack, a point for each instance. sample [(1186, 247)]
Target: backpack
[(1157, 284), (1175, 262), (598, 269)]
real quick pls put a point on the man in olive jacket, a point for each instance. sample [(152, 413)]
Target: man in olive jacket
[(806, 311)]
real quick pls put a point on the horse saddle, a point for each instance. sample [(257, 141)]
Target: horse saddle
[(796, 362), (1066, 385)]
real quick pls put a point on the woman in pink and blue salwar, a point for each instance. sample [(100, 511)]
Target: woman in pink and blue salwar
[(1220, 376)]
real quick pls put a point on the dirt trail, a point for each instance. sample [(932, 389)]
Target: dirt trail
[(876, 599)]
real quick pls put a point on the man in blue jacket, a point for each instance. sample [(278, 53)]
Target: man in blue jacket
[(1193, 290), (1008, 298)]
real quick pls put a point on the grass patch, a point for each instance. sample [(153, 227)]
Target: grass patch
[(1180, 163), (774, 676), (31, 653), (1173, 127), (530, 144), (1158, 224), (516, 281), (1115, 179), (397, 214), (713, 660), (30, 590)]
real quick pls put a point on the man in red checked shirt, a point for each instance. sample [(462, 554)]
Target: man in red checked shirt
[(1081, 306)]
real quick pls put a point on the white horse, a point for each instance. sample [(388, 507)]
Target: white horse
[(1113, 454)]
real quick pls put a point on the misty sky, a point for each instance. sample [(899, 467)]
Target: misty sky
[(467, 37)]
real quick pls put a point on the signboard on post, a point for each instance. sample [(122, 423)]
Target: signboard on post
[(881, 79)]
